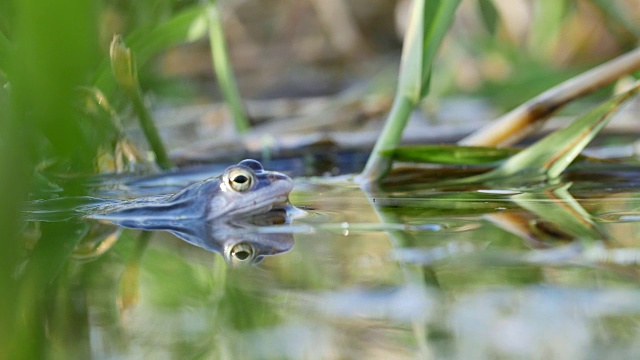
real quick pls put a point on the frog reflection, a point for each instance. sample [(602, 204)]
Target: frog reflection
[(221, 214), (239, 240)]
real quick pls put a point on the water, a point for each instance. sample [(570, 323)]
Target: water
[(409, 271)]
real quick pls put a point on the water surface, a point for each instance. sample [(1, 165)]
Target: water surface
[(411, 270)]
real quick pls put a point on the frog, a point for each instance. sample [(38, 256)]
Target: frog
[(242, 190), (219, 214)]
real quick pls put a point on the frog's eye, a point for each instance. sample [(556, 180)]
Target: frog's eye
[(240, 179), (241, 253)]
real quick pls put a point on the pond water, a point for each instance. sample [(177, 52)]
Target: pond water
[(410, 270)]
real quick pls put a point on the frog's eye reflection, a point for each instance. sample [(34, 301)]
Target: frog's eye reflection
[(241, 252), (240, 179)]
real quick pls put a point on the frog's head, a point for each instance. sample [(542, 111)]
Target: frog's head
[(246, 188)]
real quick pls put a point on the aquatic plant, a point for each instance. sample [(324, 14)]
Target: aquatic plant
[(429, 22), (426, 29), (223, 70), (125, 72)]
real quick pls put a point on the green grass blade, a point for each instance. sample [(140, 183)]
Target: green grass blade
[(451, 154), (5, 48), (53, 50), (224, 73), (438, 17), (547, 22), (411, 71), (550, 156), (47, 262), (378, 164), (124, 70), (489, 15), (186, 26), (429, 22)]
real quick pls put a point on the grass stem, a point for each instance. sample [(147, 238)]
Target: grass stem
[(223, 71), (379, 164), (428, 24), (150, 131), (124, 70), (523, 120)]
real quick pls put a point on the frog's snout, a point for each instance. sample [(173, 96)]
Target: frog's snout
[(273, 177), (281, 185), (278, 176)]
